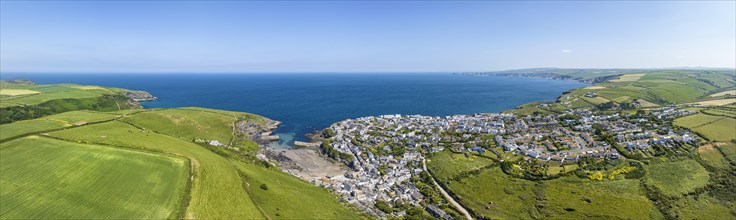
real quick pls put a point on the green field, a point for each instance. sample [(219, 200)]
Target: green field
[(712, 156), (278, 201), (702, 207), (53, 122), (717, 128), (678, 177), (597, 199), (655, 87), (52, 179), (216, 189), (43, 93), (446, 165), (186, 124), (493, 194)]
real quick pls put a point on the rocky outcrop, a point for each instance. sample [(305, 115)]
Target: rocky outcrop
[(140, 96)]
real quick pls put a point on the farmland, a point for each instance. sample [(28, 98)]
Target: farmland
[(713, 127), (129, 184), (647, 88), (217, 188)]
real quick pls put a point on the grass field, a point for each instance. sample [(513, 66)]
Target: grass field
[(712, 156), (678, 177), (597, 199), (51, 179), (217, 190), (53, 122), (446, 165), (23, 94), (718, 128), (702, 207), (493, 194), (278, 201), (186, 124)]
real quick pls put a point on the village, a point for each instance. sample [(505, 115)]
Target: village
[(385, 152)]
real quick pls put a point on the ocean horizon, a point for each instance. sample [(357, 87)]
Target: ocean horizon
[(306, 102)]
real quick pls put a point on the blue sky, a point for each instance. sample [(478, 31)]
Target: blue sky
[(232, 36)]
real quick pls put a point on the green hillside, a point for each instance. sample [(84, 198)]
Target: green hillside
[(208, 182), (52, 179), (22, 101)]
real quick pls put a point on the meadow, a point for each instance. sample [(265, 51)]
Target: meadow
[(221, 187), (446, 165), (677, 177), (51, 122), (216, 190), (50, 179), (712, 127), (278, 200)]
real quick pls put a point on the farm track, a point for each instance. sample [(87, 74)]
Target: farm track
[(446, 195)]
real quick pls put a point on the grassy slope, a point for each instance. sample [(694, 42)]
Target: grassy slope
[(216, 189), (678, 177), (290, 198), (659, 87), (51, 92), (717, 128), (133, 185), (446, 165), (186, 124), (52, 122), (608, 199)]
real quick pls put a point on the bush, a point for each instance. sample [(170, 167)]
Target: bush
[(264, 187)]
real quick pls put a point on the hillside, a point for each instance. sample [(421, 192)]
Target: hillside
[(21, 100), (173, 163), (632, 89)]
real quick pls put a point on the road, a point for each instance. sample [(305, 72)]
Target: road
[(447, 196)]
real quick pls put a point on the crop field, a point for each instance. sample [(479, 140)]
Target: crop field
[(186, 124), (718, 102), (15, 92), (629, 77), (277, 202), (729, 92), (52, 122), (36, 94), (677, 178), (53, 179), (447, 165), (597, 199), (29, 126), (217, 190)]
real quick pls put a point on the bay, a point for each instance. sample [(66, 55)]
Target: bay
[(306, 102)]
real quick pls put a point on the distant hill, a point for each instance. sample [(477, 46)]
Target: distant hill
[(587, 75)]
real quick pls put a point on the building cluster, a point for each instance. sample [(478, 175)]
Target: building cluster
[(387, 150)]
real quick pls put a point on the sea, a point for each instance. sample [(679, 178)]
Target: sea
[(306, 102)]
